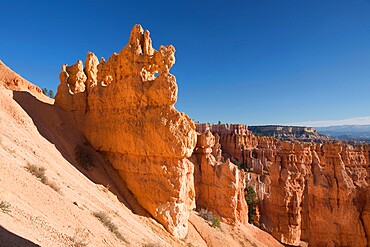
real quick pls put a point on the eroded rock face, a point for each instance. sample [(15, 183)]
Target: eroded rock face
[(315, 193), (126, 109), (219, 185)]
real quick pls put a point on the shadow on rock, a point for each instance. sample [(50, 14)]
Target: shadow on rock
[(8, 238)]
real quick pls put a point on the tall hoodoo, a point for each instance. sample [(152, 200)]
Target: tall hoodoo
[(125, 107)]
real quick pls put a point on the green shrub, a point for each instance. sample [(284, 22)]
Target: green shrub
[(252, 201), (210, 217), (216, 222)]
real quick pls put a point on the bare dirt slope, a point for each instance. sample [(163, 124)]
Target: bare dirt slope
[(59, 210)]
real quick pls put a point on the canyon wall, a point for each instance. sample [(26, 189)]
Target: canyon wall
[(309, 192), (125, 108)]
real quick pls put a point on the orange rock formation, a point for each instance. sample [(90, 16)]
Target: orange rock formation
[(316, 193), (219, 186), (125, 107)]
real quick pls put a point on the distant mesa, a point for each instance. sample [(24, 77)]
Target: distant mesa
[(305, 134), (358, 133)]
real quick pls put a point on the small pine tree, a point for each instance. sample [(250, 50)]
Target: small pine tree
[(48, 92), (51, 94), (252, 201)]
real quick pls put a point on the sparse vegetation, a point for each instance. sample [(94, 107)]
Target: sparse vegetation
[(5, 206), (39, 172), (216, 222), (83, 157), (48, 92), (210, 217), (105, 219), (80, 238), (252, 201)]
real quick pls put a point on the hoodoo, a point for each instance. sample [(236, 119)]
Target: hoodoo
[(125, 108)]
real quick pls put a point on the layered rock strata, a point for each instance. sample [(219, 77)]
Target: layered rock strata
[(290, 133), (309, 192), (125, 107), (219, 185)]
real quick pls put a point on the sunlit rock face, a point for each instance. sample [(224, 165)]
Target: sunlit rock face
[(310, 192), (219, 185), (125, 107)]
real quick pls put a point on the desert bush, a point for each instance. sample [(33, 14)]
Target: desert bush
[(252, 201), (83, 157), (210, 217), (216, 222), (39, 172), (5, 206), (105, 219)]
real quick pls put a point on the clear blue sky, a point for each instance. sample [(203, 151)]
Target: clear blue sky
[(251, 61)]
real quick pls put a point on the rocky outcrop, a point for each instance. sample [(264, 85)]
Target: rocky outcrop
[(219, 186), (309, 192), (290, 133), (125, 107), (12, 81)]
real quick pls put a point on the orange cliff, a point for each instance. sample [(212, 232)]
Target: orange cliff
[(309, 192), (125, 107)]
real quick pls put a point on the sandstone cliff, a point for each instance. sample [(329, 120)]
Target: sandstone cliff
[(125, 107), (315, 193)]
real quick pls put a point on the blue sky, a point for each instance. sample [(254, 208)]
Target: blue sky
[(251, 61)]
